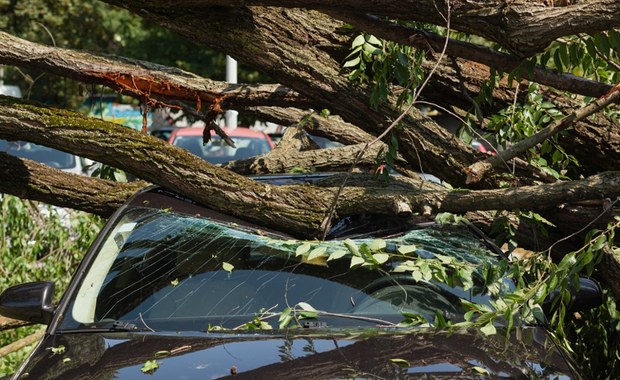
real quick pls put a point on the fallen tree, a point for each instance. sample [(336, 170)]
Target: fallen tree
[(299, 210), (305, 54), (303, 47)]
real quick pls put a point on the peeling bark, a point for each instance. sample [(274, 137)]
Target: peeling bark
[(154, 84)]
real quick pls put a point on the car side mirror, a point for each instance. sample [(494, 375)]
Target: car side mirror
[(31, 302), (589, 296)]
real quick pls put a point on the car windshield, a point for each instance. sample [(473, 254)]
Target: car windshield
[(216, 151), (45, 155), (168, 271)]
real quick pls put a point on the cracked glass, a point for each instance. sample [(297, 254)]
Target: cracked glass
[(161, 269)]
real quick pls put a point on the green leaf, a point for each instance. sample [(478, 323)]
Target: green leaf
[(150, 366), (488, 329), (264, 325), (401, 363), (599, 243), (406, 249), (469, 315), (352, 247), (303, 249), (227, 267), (358, 41), (406, 266), (305, 306), (285, 318), (590, 47), (466, 277), (373, 40), (445, 259), (337, 254), (480, 370), (57, 350), (356, 260), (567, 261), (440, 320), (381, 258), (285, 321), (563, 49), (317, 252), (377, 245), (557, 61), (602, 43), (365, 251), (417, 275), (538, 313), (353, 62), (372, 50)]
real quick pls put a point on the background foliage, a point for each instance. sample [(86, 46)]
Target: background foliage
[(39, 243)]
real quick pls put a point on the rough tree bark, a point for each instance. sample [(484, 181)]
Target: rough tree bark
[(304, 53), (520, 26), (299, 210)]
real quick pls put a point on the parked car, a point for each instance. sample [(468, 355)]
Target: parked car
[(49, 156), (163, 133), (248, 143), (178, 291), (322, 142)]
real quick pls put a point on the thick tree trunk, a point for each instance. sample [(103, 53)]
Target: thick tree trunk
[(308, 60), (521, 26), (299, 210), (158, 85)]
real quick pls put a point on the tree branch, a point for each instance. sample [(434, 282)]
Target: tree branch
[(21, 343), (299, 210), (31, 180), (499, 61), (523, 27), (476, 171), (155, 84)]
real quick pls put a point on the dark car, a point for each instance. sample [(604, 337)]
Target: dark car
[(178, 291)]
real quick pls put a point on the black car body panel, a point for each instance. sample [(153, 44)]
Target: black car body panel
[(307, 353)]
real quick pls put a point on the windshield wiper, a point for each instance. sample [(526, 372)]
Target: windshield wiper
[(123, 326), (117, 326)]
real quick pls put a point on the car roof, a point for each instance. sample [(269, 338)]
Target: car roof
[(234, 132)]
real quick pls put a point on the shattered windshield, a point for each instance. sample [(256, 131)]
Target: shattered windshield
[(166, 271)]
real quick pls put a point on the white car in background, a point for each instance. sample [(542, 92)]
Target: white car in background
[(45, 155), (67, 162)]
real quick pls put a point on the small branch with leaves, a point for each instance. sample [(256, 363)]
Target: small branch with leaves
[(476, 171)]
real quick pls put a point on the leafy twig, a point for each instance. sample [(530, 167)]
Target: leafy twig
[(476, 171), (327, 221)]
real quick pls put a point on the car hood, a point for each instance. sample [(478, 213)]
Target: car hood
[(316, 353)]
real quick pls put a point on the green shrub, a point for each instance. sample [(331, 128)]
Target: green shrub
[(39, 242)]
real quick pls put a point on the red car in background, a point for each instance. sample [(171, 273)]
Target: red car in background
[(248, 143)]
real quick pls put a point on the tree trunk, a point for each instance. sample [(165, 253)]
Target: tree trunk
[(523, 27), (299, 210)]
